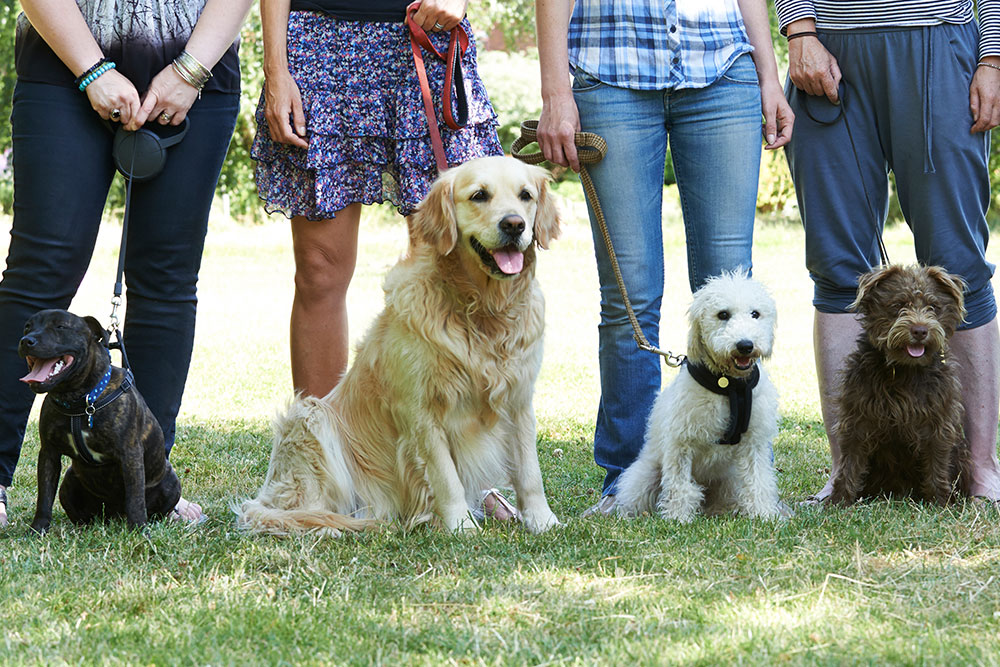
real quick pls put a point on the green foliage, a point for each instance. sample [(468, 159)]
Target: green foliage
[(236, 182), (515, 19)]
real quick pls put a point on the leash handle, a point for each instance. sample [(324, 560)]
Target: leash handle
[(591, 149), (454, 80)]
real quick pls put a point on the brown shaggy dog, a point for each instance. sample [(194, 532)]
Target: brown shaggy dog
[(900, 410), (438, 402)]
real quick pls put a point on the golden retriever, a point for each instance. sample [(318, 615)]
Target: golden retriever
[(437, 404)]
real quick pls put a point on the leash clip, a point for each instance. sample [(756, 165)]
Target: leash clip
[(116, 301)]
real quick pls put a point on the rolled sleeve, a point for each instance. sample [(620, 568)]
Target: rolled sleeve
[(789, 11), (989, 27)]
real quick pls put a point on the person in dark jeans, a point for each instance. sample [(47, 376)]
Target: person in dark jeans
[(82, 68)]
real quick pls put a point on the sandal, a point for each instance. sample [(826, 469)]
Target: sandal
[(493, 505), (3, 501)]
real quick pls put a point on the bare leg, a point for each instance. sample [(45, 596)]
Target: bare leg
[(3, 506), (326, 252), (977, 353), (835, 336)]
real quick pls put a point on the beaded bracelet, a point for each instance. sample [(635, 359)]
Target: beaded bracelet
[(91, 76), (93, 68), (192, 71), (986, 64), (808, 33)]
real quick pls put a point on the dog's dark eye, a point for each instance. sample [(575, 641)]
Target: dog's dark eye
[(723, 315), (479, 195), (755, 314), (524, 196)]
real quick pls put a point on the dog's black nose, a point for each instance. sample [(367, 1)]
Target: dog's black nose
[(918, 331), (28, 341), (512, 225), (744, 346)]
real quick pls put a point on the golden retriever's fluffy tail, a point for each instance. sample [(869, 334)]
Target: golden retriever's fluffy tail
[(309, 486)]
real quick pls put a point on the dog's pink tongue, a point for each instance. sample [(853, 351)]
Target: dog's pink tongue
[(40, 370), (509, 261), (915, 350)]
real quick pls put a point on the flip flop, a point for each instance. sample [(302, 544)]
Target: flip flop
[(3, 501), (500, 506)]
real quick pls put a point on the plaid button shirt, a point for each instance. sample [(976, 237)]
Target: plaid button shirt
[(656, 44)]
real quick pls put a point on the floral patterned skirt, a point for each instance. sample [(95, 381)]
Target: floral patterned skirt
[(365, 124)]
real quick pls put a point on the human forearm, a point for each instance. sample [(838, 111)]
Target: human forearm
[(552, 25), (61, 25), (758, 27), (274, 26), (560, 118), (217, 29)]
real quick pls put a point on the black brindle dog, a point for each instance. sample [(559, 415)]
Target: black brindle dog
[(94, 415)]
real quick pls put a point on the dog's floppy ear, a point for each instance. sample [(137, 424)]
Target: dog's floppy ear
[(546, 227), (952, 285), (99, 331), (696, 346), (867, 283), (434, 223)]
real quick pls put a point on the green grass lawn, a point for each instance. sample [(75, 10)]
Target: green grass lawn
[(885, 582)]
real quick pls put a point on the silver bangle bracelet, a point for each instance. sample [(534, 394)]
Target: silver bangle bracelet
[(990, 65)]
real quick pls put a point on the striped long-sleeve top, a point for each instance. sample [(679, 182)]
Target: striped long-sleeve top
[(849, 14)]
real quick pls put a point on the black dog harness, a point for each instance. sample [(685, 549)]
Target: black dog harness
[(88, 407), (739, 391)]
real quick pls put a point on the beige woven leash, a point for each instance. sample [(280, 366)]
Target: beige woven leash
[(591, 149)]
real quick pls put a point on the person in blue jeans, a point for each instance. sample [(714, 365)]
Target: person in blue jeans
[(643, 74)]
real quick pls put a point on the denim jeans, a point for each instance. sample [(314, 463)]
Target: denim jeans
[(714, 135), (62, 173)]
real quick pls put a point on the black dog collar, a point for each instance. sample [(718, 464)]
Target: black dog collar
[(739, 391), (88, 408)]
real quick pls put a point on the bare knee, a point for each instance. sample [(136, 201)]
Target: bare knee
[(323, 273)]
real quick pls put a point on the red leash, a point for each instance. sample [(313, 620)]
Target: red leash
[(453, 81)]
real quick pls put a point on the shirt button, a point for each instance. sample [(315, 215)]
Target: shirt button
[(676, 60), (673, 28)]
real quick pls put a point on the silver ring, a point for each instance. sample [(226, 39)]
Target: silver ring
[(438, 26), (116, 114), (165, 117)]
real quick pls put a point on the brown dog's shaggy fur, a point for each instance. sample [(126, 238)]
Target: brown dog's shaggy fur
[(438, 402), (900, 411)]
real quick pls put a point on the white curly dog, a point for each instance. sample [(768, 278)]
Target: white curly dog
[(710, 432)]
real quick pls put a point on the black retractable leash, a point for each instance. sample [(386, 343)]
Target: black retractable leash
[(138, 156), (824, 112)]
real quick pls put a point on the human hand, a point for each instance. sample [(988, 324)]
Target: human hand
[(438, 15), (778, 115), (112, 91), (168, 100), (559, 121), (813, 69), (283, 110), (984, 97)]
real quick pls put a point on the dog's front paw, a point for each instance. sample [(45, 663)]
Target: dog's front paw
[(40, 526), (465, 524), (539, 522)]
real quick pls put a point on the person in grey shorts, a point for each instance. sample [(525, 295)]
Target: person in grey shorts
[(878, 86)]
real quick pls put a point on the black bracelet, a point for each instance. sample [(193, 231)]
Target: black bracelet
[(802, 34), (93, 68)]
